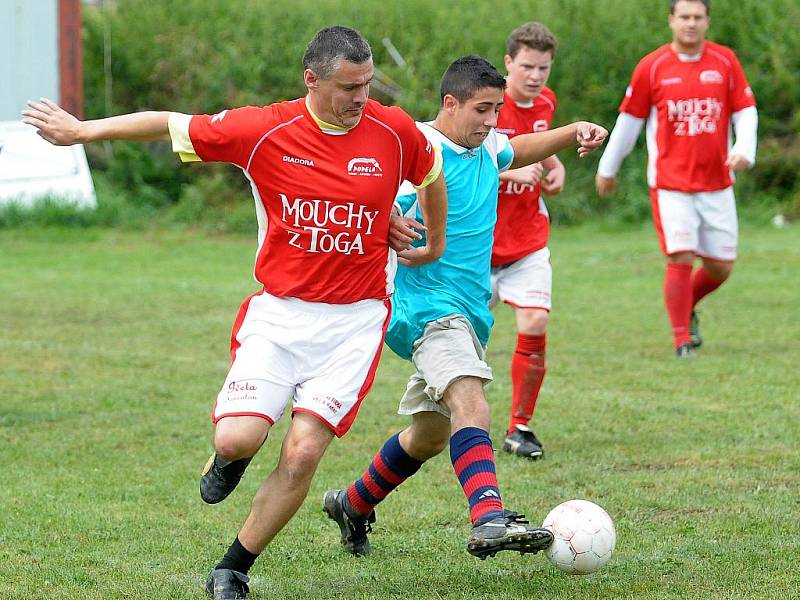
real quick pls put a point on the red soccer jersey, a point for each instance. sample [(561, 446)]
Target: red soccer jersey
[(323, 198), (523, 225), (688, 106)]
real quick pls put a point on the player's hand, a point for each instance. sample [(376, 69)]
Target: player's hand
[(605, 185), (590, 137), (737, 162), (416, 257), (403, 231), (553, 183), (530, 175), (52, 122)]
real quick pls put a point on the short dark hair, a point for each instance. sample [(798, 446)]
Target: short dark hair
[(467, 75), (333, 44), (706, 3), (532, 35)]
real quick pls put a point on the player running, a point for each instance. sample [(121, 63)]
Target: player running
[(442, 320), (324, 170), (690, 92), (521, 273)]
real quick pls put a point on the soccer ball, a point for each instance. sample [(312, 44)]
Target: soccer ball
[(584, 537)]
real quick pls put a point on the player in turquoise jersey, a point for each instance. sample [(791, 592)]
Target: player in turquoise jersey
[(441, 320)]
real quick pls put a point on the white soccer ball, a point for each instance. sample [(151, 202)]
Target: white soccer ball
[(584, 537)]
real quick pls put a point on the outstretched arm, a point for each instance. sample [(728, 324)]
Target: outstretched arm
[(534, 147), (59, 127)]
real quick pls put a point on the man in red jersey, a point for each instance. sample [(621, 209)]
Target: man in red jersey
[(692, 93), (324, 171), (521, 272)]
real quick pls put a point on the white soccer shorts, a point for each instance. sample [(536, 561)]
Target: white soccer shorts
[(525, 283), (322, 357), (703, 222)]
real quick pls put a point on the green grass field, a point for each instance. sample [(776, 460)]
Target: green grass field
[(113, 346)]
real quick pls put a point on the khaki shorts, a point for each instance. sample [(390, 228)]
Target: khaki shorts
[(448, 351)]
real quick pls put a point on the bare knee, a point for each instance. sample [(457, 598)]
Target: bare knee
[(532, 321), (425, 446), (298, 463), (234, 444), (427, 436), (718, 270)]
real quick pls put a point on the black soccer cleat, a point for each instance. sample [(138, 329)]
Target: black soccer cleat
[(507, 532), (226, 584), (220, 477), (694, 331), (354, 530), (685, 351), (523, 442)]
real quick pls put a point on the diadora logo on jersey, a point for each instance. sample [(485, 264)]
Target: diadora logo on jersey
[(694, 116), (488, 494), (365, 166), (711, 76), (316, 225), (748, 92), (539, 125), (629, 91), (217, 118), (505, 131), (306, 162), (671, 81)]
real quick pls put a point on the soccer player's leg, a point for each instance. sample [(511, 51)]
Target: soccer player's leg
[(718, 242), (276, 501), (494, 528), (451, 360), (255, 393), (400, 457), (526, 285), (677, 222)]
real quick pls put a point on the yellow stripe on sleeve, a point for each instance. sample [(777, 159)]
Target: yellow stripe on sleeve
[(436, 169), (179, 132)]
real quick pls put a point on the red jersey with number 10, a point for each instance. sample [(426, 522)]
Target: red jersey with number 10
[(523, 225), (323, 197), (688, 103)]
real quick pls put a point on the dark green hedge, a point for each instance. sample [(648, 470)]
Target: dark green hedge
[(202, 55)]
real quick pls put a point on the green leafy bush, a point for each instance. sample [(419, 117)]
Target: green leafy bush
[(202, 55)]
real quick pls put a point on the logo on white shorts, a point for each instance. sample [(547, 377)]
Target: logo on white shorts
[(242, 390), (329, 402)]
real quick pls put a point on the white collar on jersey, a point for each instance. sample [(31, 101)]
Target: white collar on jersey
[(443, 139), (690, 57)]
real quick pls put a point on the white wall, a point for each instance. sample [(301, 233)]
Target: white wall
[(28, 54)]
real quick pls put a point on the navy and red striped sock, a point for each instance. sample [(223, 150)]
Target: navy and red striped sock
[(390, 467), (473, 461)]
